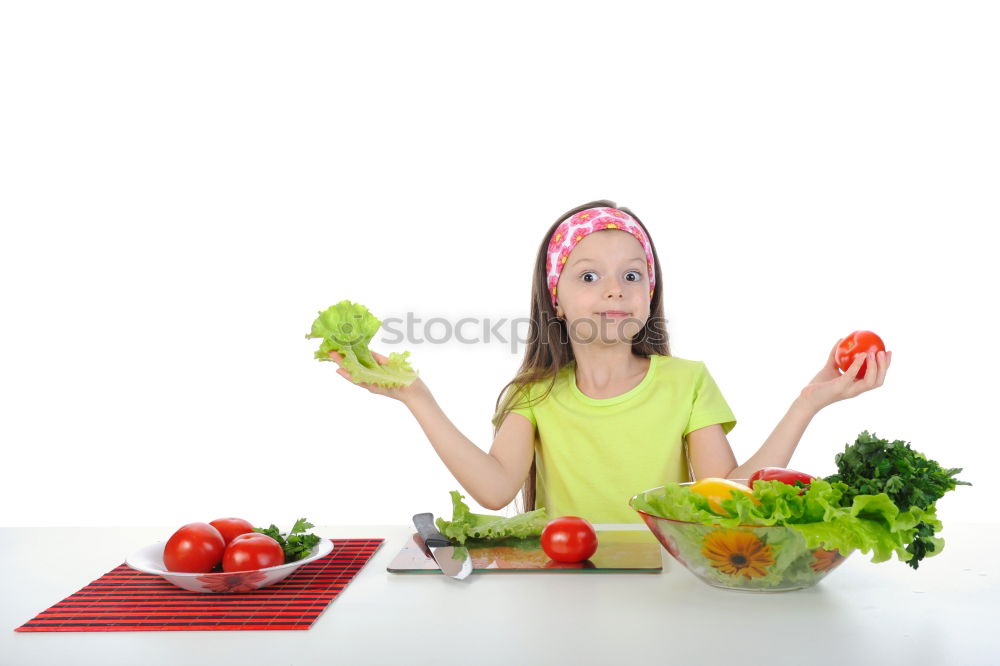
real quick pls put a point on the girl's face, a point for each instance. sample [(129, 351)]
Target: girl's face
[(603, 290)]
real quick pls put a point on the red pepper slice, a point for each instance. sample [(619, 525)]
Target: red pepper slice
[(789, 476)]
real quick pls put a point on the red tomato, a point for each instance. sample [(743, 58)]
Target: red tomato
[(230, 528), (858, 342), (194, 548), (252, 551), (789, 476), (569, 539)]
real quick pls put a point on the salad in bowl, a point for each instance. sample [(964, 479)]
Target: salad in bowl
[(784, 530)]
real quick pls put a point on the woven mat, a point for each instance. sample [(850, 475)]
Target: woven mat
[(128, 600)]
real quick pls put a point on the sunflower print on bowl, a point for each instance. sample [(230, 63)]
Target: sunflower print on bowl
[(824, 560), (737, 553), (238, 581)]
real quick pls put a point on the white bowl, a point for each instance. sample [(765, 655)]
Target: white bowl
[(149, 559)]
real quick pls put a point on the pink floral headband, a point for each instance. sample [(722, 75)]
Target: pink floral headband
[(577, 227)]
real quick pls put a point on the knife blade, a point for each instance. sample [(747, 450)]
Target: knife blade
[(453, 560)]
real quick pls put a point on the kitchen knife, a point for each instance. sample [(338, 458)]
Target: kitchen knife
[(453, 560)]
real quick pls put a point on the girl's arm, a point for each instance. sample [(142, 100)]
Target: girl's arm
[(709, 451), (492, 479), (711, 455)]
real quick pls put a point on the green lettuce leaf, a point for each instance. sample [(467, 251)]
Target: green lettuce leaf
[(467, 525), (347, 328)]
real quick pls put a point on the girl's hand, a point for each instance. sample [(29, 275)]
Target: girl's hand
[(830, 386), (402, 393)]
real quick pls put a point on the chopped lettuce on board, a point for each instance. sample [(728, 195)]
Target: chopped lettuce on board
[(467, 525), (347, 328)]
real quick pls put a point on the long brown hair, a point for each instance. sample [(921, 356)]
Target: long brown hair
[(548, 347)]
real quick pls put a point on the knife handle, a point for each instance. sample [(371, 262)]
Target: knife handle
[(424, 522)]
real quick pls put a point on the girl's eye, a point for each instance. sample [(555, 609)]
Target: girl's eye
[(637, 274)]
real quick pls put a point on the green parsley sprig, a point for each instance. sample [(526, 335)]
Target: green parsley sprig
[(296, 543)]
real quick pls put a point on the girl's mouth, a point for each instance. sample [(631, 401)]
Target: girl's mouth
[(613, 313)]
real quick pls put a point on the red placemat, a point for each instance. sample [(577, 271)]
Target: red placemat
[(128, 600)]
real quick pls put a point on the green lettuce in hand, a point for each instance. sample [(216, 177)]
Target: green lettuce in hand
[(467, 525), (347, 328)]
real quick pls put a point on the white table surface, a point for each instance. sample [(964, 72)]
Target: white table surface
[(944, 613)]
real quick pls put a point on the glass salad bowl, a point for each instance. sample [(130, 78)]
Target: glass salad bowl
[(755, 558)]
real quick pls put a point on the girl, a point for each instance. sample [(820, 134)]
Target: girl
[(599, 410)]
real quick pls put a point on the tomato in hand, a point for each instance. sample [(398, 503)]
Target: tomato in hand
[(715, 490), (252, 551), (194, 548), (230, 528), (789, 476), (858, 342), (569, 539)]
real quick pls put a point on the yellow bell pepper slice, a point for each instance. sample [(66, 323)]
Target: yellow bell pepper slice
[(715, 490)]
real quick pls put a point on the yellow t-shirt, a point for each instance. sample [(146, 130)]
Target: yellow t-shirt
[(594, 454)]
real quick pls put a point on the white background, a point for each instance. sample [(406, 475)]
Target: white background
[(186, 184)]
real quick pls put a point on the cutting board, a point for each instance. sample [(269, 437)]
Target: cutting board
[(617, 552)]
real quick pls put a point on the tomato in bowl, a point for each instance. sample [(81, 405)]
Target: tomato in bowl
[(149, 559)]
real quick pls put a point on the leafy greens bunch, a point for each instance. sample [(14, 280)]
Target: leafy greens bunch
[(296, 544), (872, 466), (347, 328)]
